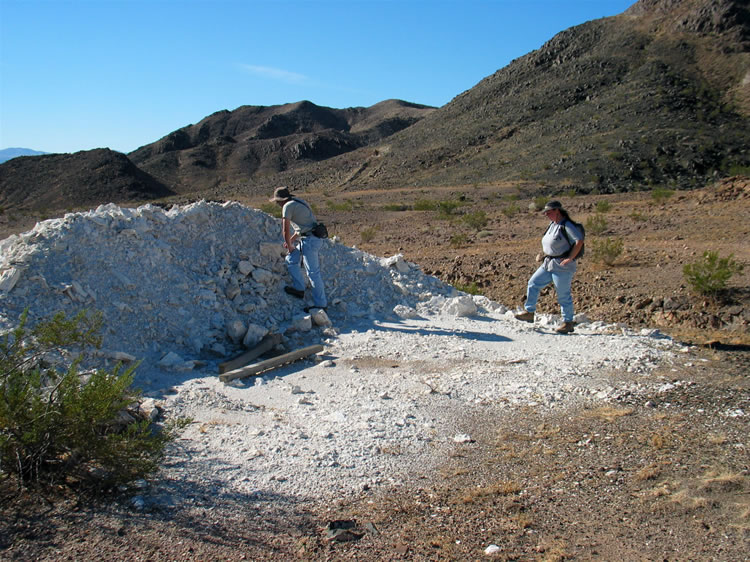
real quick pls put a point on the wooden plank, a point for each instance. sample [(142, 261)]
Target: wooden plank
[(266, 344), (252, 370)]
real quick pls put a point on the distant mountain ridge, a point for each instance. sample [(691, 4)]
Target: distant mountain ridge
[(256, 142), (8, 153), (83, 179)]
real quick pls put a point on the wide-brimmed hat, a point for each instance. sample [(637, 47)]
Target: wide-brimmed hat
[(552, 205), (281, 194)]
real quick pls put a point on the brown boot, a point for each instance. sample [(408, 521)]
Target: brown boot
[(525, 316), (565, 328)]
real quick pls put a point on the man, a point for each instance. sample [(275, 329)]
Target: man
[(302, 245), (561, 243)]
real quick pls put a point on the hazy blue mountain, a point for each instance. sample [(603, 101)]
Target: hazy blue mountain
[(8, 153)]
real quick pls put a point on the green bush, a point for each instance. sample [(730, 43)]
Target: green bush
[(447, 208), (603, 206), (459, 240), (607, 250), (596, 224), (368, 234), (471, 289), (638, 217), (540, 202), (660, 195), (511, 210), (710, 275), (271, 209), (476, 220), (425, 205), (56, 424), (344, 206)]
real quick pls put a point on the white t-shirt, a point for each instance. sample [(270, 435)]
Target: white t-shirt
[(554, 242)]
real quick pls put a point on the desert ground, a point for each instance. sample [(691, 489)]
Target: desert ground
[(665, 478)]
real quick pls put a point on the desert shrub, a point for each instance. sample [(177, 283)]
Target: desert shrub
[(395, 207), (476, 220), (606, 250), (638, 217), (344, 206), (471, 288), (59, 423), (596, 224), (710, 275), (271, 209), (368, 234), (459, 240), (425, 205), (540, 202), (738, 170), (603, 206), (510, 210), (447, 207), (660, 195)]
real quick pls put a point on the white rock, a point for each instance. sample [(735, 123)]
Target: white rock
[(245, 267), (253, 335), (263, 276), (302, 323), (236, 330), (492, 549), (271, 250), (232, 291), (170, 359), (460, 306), (405, 312), (8, 279), (320, 317), (148, 409), (396, 261)]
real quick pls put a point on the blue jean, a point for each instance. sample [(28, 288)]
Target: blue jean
[(552, 272), (306, 251)]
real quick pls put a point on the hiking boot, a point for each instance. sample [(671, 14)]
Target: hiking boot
[(289, 290), (565, 328), (525, 316), (310, 308)]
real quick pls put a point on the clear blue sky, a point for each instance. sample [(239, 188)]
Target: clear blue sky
[(83, 74)]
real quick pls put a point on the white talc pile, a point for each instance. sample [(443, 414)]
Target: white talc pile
[(190, 285)]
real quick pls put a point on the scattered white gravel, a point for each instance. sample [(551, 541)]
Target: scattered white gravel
[(405, 358)]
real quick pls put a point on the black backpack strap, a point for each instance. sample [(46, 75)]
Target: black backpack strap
[(567, 236)]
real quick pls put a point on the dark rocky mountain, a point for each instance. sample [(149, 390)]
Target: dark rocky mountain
[(254, 143), (655, 96), (83, 179)]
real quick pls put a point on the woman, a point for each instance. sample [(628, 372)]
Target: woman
[(561, 243)]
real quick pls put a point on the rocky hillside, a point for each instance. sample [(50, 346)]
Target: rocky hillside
[(55, 182), (254, 143), (655, 96)]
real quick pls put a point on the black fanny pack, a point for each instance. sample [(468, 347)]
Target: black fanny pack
[(319, 230)]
